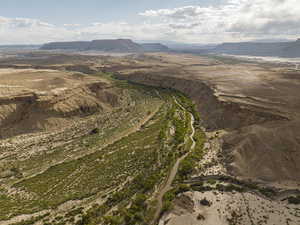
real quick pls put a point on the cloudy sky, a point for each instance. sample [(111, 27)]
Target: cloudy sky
[(189, 21)]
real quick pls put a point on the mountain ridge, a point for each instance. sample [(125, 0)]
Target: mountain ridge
[(275, 49), (107, 45)]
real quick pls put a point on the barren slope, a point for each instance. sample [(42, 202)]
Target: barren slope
[(258, 105), (40, 100)]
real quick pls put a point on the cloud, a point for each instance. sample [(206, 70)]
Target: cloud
[(30, 31), (268, 17), (184, 25), (72, 25), (21, 23), (233, 20)]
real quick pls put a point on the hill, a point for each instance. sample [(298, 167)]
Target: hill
[(120, 45), (275, 49), (74, 45), (154, 47), (108, 45)]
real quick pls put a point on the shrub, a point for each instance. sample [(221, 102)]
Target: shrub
[(294, 200), (205, 202), (95, 131), (186, 167)]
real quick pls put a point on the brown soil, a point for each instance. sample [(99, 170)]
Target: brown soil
[(258, 105), (42, 100)]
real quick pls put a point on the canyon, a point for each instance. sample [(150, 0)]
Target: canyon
[(93, 139)]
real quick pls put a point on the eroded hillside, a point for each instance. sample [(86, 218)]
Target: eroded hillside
[(82, 145), (46, 100), (253, 102), (251, 113)]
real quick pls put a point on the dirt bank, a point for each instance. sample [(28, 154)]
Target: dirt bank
[(35, 100)]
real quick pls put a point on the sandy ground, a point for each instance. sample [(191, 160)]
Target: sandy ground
[(16, 80), (211, 163), (232, 208)]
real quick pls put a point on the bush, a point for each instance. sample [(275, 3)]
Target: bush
[(95, 131), (181, 189), (112, 220), (205, 202), (294, 200), (267, 191), (186, 167)]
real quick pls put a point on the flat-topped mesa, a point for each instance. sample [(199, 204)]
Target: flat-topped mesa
[(121, 45), (275, 49), (107, 45), (74, 45)]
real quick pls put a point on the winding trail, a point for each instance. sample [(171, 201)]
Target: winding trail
[(168, 183)]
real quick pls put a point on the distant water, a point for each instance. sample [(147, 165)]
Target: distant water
[(295, 61)]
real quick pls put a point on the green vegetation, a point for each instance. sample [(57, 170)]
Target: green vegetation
[(294, 200), (124, 174), (188, 165), (31, 221), (114, 124), (170, 196), (143, 184), (86, 176), (189, 105)]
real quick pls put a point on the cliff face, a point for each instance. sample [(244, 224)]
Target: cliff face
[(216, 114)]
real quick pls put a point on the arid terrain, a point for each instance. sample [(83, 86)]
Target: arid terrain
[(153, 138)]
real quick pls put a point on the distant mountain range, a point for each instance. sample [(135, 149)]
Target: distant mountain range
[(275, 49), (109, 45), (153, 47), (19, 47)]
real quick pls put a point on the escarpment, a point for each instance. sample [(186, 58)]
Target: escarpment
[(262, 143), (52, 106), (269, 152), (216, 113)]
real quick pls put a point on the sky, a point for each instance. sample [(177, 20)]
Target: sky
[(187, 21)]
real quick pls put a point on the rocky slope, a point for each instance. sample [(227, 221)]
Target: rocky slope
[(258, 108), (38, 103)]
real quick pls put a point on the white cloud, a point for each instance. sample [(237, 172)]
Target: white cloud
[(26, 31), (234, 20), (71, 25)]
